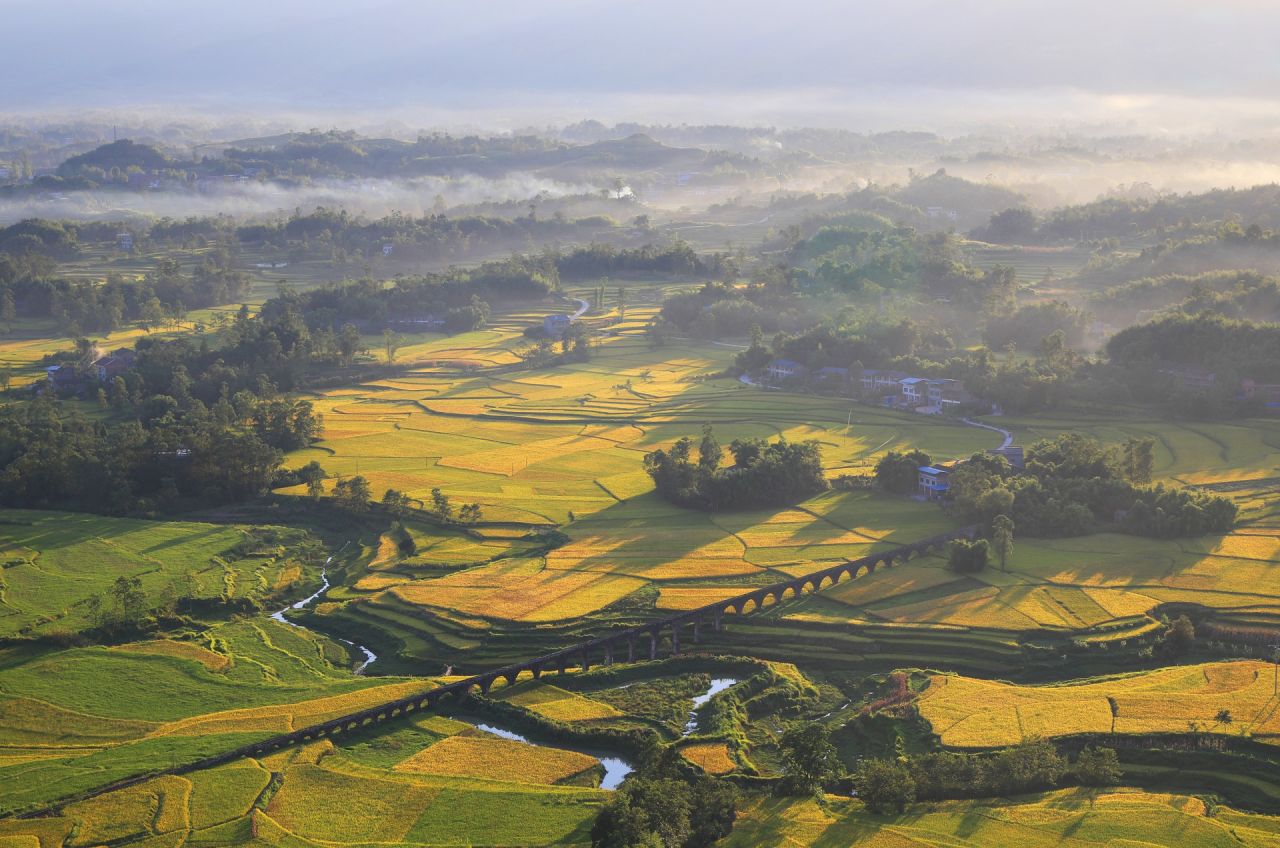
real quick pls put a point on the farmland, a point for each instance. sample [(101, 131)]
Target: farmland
[(564, 540), (1228, 698), (1078, 818), (55, 562)]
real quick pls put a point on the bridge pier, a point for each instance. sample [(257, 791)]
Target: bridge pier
[(697, 630), (631, 649), (608, 653), (586, 659), (653, 645), (675, 639)]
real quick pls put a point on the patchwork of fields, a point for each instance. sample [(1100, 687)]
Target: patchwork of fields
[(1105, 587), (966, 712), (1107, 819), (54, 562)]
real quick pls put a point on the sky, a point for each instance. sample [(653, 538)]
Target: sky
[(860, 64)]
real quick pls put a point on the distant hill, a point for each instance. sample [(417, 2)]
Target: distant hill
[(120, 154)]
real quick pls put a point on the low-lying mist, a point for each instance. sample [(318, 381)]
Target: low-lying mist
[(252, 199)]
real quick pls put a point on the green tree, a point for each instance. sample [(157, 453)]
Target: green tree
[(349, 344), (709, 451), (391, 344), (885, 786), (1098, 767), (8, 310), (1002, 539), (1180, 637), (396, 502), (353, 494), (968, 557), (899, 473), (809, 760), (1138, 460), (440, 504)]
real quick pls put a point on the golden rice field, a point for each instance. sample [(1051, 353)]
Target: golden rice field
[(1077, 584), (967, 712), (490, 758), (54, 562), (711, 757), (1121, 818), (557, 704), (1186, 452), (535, 446)]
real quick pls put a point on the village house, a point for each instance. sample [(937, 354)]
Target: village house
[(915, 391), (113, 364), (833, 378), (1267, 393), (555, 326), (1190, 377), (785, 369), (933, 481), (62, 379), (879, 382)]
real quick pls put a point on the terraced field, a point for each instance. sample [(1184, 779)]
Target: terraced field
[(77, 718), (967, 712), (54, 562), (1106, 586), (425, 780), (1107, 819), (535, 447), (1192, 452)]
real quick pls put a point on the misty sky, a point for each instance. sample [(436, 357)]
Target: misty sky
[(803, 61)]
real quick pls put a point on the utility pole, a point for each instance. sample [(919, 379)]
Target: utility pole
[(1275, 658)]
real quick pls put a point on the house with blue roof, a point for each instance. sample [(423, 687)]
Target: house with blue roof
[(933, 483), (785, 369)]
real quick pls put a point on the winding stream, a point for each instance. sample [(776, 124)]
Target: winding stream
[(718, 685), (615, 768), (278, 615)]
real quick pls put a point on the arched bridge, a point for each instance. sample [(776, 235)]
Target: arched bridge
[(642, 642)]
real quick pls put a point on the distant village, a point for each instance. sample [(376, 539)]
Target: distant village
[(893, 389)]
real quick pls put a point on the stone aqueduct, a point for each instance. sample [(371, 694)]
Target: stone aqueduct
[(641, 642)]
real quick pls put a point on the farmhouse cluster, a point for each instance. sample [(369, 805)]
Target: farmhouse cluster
[(76, 380), (894, 389)]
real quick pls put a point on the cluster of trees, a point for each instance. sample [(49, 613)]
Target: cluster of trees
[(370, 304), (1221, 345), (52, 239), (763, 474), (1028, 326), (664, 805), (679, 258), (1233, 294), (574, 346), (888, 786), (865, 262), (810, 762), (191, 424), (161, 298), (969, 557), (1074, 485), (719, 309)]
